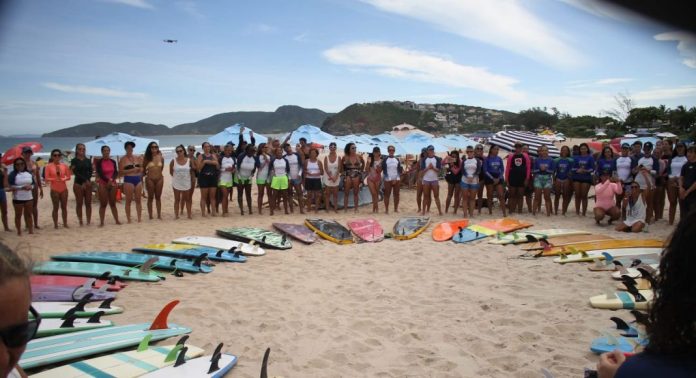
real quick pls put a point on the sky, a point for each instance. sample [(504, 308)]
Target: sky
[(68, 62)]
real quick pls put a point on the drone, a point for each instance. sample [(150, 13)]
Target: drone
[(169, 40)]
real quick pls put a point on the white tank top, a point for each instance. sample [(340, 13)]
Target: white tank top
[(430, 175), (392, 173), (181, 180), (676, 165), (225, 175), (313, 169), (623, 168), (470, 166), (263, 168), (331, 168), (246, 167), (294, 165), (22, 179)]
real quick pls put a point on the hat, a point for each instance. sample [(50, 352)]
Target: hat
[(625, 145), (26, 149), (430, 147), (638, 143), (648, 145)]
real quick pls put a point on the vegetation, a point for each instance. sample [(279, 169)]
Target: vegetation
[(104, 128), (375, 118)]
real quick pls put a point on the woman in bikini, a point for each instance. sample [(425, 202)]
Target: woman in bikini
[(353, 166), (374, 176), (263, 182), (107, 172), (82, 169), (430, 168), (207, 165), (332, 177), (131, 169), (392, 170), (3, 196), (181, 170), (313, 171), (154, 164), (57, 174), (453, 176)]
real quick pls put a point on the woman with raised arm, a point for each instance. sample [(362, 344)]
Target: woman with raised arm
[(21, 182), (57, 174), (154, 183), (246, 167), (131, 169), (313, 171), (353, 166), (181, 170), (374, 176), (83, 170), (263, 181), (107, 172), (207, 165), (296, 161), (453, 176), (332, 178), (392, 170)]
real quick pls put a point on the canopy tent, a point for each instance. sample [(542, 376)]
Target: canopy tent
[(116, 142), (507, 140), (313, 134), (455, 142), (231, 134)]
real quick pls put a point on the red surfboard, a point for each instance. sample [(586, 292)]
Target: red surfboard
[(57, 280), (367, 229)]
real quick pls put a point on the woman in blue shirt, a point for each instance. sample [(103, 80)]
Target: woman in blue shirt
[(562, 185), (494, 179), (542, 170), (606, 163), (583, 167)]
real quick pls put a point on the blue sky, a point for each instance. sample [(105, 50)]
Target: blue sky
[(75, 61)]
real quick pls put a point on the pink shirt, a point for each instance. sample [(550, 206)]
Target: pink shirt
[(605, 192)]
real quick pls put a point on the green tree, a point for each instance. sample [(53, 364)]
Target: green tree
[(536, 117)]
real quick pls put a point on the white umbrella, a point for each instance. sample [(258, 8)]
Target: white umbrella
[(231, 134), (312, 133), (665, 135), (116, 142), (630, 136), (507, 139)]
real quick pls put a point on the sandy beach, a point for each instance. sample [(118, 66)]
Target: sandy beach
[(393, 309)]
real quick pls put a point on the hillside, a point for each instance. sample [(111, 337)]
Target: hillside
[(104, 128)]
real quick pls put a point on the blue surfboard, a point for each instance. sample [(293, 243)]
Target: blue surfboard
[(191, 252), (135, 259), (467, 235)]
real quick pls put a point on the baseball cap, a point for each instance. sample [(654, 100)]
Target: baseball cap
[(26, 149), (648, 145), (625, 145), (430, 147)]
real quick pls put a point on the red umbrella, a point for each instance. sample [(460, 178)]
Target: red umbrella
[(16, 151)]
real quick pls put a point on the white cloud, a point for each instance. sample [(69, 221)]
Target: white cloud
[(604, 9), (143, 4), (503, 23), (600, 82), (656, 94), (686, 45), (96, 91), (418, 66), (191, 8)]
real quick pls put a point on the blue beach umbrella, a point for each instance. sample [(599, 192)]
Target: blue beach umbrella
[(312, 133), (231, 134), (116, 142)]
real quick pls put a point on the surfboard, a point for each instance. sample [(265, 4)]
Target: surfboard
[(50, 327), (565, 240), (444, 231), (213, 366), (364, 198), (54, 349), (51, 293), (297, 231), (472, 233), (602, 253), (367, 229), (187, 251), (80, 309), (519, 237), (57, 280), (267, 239), (135, 259), (504, 224), (623, 300), (129, 364), (93, 270), (605, 244), (632, 272), (410, 227), (224, 244), (610, 343), (330, 230)]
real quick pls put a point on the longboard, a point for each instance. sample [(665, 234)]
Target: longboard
[(330, 230), (231, 246), (53, 349), (519, 237), (472, 233), (602, 253), (187, 251), (606, 244), (80, 309), (505, 224), (50, 293), (57, 280), (410, 227), (565, 240), (216, 365), (52, 326), (297, 231), (93, 270), (135, 259), (367, 229), (444, 231), (267, 239)]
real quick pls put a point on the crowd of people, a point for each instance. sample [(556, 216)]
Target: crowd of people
[(630, 188)]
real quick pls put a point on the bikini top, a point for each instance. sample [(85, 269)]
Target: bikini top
[(153, 164)]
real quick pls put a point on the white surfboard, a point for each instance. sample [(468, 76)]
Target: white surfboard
[(58, 309), (50, 327), (197, 367), (519, 237), (631, 272), (622, 300), (600, 254), (219, 243)]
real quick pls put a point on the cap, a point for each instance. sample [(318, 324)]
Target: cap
[(26, 149), (638, 143), (430, 147), (625, 145), (518, 144), (648, 145)]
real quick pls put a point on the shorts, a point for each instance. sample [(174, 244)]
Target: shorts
[(543, 182), (469, 186), (133, 180), (453, 179), (21, 202), (242, 181), (296, 181), (583, 180), (261, 181), (516, 181), (489, 181), (431, 183), (226, 183), (312, 184), (280, 183), (205, 181), (3, 196)]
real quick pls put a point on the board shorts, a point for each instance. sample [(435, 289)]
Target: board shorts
[(242, 181), (280, 183), (296, 181), (226, 183), (260, 181), (313, 184), (543, 182), (205, 181)]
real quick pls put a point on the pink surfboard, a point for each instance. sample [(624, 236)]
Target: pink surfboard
[(367, 229), (58, 280)]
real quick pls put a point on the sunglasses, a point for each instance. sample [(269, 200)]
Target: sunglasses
[(179, 151), (54, 155), (154, 147), (17, 335)]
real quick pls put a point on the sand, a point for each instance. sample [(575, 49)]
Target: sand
[(391, 309)]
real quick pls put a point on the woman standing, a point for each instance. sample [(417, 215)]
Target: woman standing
[(246, 167), (280, 169), (583, 167), (392, 170), (332, 178), (430, 168), (21, 183), (606, 163), (661, 177), (471, 167), (313, 171), (418, 174), (624, 174), (193, 157), (353, 166), (57, 174), (181, 170), (674, 172), (131, 169), (453, 176), (494, 173), (478, 154), (646, 169), (263, 183), (82, 169), (228, 166), (207, 166), (374, 176), (3, 195), (37, 191), (107, 172), (562, 184), (543, 180), (517, 173), (154, 179), (296, 161)]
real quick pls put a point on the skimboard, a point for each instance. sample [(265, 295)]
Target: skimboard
[(519, 237), (602, 253), (601, 245), (72, 323), (297, 231), (410, 227), (444, 231), (129, 364), (267, 239), (80, 309), (565, 240), (330, 230), (54, 349), (472, 233), (216, 365), (504, 224), (231, 246), (367, 229), (55, 280), (94, 270), (136, 259), (186, 251)]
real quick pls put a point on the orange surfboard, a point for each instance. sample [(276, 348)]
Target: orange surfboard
[(444, 231), (505, 224)]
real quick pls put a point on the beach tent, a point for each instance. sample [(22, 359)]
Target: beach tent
[(116, 142), (313, 134), (231, 134), (454, 141), (507, 139), (403, 130)]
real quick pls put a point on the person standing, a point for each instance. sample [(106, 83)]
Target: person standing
[(478, 154), (228, 167), (82, 170), (687, 183), (280, 169), (542, 170), (332, 178), (674, 167), (37, 191), (517, 174), (207, 166), (131, 169), (263, 181), (624, 164), (583, 167), (3, 196), (57, 174), (21, 182), (352, 167), (469, 182), (193, 157), (392, 170), (661, 176), (453, 177), (374, 176), (313, 172), (246, 167), (645, 171), (154, 179), (562, 184), (430, 168), (181, 170), (107, 172), (296, 161), (494, 173)]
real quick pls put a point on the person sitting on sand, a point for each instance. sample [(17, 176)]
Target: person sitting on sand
[(634, 203), (605, 190)]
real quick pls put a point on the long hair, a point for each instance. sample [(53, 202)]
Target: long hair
[(346, 150), (148, 152), (672, 327)]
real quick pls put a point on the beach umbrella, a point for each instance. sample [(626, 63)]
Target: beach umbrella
[(642, 140), (507, 139), (231, 134), (312, 133), (665, 134), (116, 142), (630, 136), (16, 151)]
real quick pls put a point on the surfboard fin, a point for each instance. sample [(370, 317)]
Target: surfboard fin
[(181, 358), (147, 265), (70, 313), (104, 276), (641, 317), (634, 291), (647, 275), (144, 343), (160, 321), (263, 239), (90, 283), (172, 355), (221, 251), (218, 350), (214, 366), (96, 318), (531, 238), (172, 263), (68, 322), (80, 306), (107, 303), (284, 239), (197, 261), (620, 323), (264, 364), (182, 340)]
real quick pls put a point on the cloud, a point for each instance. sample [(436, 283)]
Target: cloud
[(686, 45), (143, 4), (656, 94), (505, 24), (191, 8), (96, 91), (600, 82), (604, 9), (418, 66)]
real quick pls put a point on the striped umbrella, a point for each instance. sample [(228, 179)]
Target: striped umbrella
[(507, 140)]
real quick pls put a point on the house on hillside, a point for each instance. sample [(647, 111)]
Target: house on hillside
[(403, 130)]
